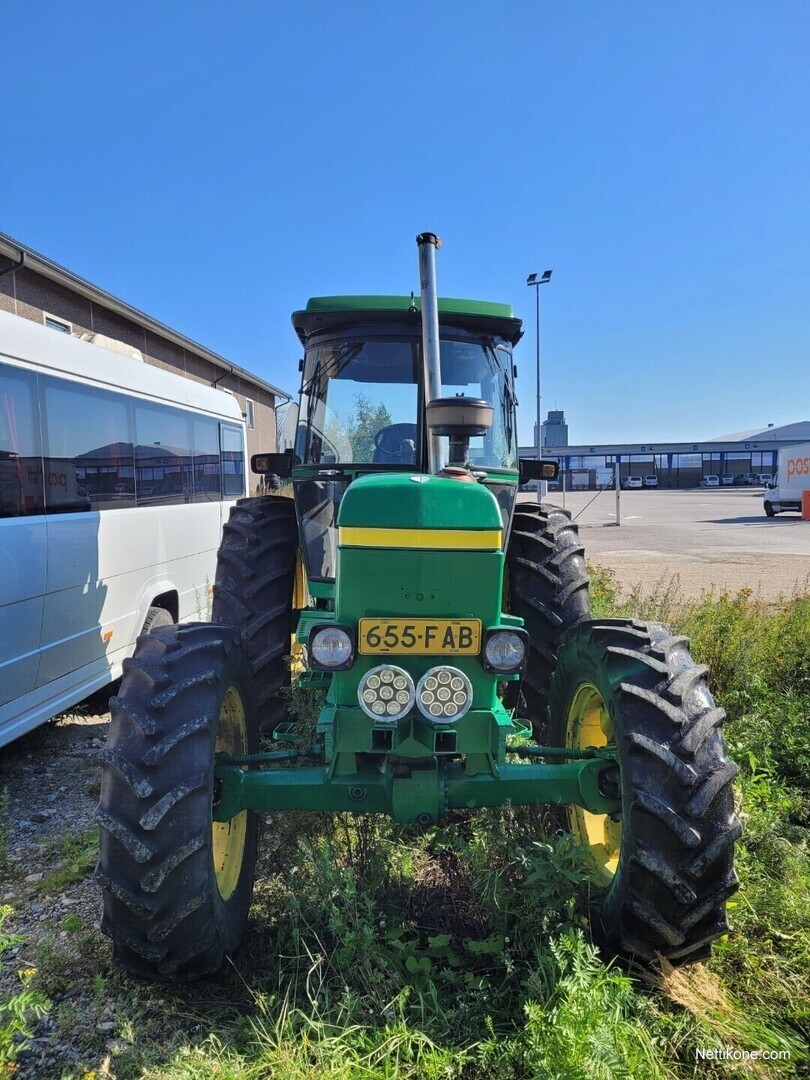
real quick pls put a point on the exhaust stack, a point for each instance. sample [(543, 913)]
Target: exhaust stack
[(429, 243)]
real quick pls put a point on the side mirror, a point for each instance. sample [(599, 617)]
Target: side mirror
[(532, 469), (280, 464)]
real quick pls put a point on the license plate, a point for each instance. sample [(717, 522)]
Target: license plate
[(420, 636)]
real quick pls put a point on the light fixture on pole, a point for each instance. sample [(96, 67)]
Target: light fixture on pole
[(534, 281)]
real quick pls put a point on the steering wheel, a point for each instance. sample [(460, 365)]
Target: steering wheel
[(395, 441)]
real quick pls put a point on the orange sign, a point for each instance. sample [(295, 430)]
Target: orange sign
[(798, 466)]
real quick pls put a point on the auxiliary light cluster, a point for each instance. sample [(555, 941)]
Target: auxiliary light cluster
[(386, 693)]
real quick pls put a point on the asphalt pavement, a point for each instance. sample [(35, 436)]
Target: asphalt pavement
[(717, 538)]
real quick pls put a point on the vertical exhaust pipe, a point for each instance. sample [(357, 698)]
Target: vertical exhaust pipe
[(429, 243)]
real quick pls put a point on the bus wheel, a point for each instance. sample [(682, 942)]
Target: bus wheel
[(155, 617), (253, 591), (177, 885), (662, 867)]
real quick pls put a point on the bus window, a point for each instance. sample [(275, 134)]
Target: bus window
[(207, 481), (162, 455), (233, 462), (21, 484), (88, 449)]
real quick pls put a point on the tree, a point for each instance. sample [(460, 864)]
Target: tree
[(368, 419)]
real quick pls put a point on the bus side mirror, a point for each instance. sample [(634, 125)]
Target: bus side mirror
[(280, 464), (532, 469)]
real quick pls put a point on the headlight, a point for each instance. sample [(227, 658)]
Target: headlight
[(505, 651), (386, 693), (444, 695), (331, 647)]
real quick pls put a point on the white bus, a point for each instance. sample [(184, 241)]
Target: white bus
[(116, 478)]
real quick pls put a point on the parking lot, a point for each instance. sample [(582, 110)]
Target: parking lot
[(710, 538)]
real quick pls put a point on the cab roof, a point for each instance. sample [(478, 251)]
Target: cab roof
[(323, 313)]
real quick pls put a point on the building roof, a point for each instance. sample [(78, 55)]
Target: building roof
[(799, 430), (769, 438), (41, 264)]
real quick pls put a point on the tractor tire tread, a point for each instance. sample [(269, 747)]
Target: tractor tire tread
[(678, 820), (253, 591), (548, 588), (155, 869)]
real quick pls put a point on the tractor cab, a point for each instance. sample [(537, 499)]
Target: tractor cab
[(364, 404)]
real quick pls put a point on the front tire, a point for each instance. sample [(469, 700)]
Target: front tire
[(548, 589), (663, 869), (177, 887), (769, 510)]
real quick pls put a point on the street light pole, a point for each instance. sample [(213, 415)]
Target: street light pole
[(535, 282)]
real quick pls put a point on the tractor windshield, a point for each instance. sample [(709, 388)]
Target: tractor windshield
[(359, 404), (362, 401)]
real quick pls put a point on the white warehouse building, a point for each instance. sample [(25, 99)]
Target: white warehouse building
[(676, 464)]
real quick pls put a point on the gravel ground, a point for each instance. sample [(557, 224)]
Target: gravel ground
[(101, 1024), (765, 576), (52, 778)]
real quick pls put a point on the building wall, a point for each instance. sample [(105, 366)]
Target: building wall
[(686, 471), (30, 295)]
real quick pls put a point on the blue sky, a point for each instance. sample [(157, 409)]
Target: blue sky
[(217, 164)]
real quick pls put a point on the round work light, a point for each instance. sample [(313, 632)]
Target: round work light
[(444, 695), (386, 693)]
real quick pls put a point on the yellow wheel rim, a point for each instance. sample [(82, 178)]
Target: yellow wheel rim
[(228, 837), (300, 599), (589, 724)]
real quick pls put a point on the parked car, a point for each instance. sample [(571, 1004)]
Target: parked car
[(651, 481), (745, 478), (632, 482), (764, 478), (710, 481), (726, 480)]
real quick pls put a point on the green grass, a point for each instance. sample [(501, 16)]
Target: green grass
[(77, 853), (377, 950)]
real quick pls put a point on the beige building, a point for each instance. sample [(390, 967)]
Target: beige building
[(35, 288)]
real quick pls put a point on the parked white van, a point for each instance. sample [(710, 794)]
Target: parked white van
[(116, 478), (792, 478)]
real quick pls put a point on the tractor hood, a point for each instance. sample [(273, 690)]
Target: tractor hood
[(422, 505)]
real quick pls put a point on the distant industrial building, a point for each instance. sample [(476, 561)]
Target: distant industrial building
[(675, 464), (554, 429), (35, 288)]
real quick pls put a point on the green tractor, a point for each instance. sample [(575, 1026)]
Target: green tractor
[(448, 626)]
